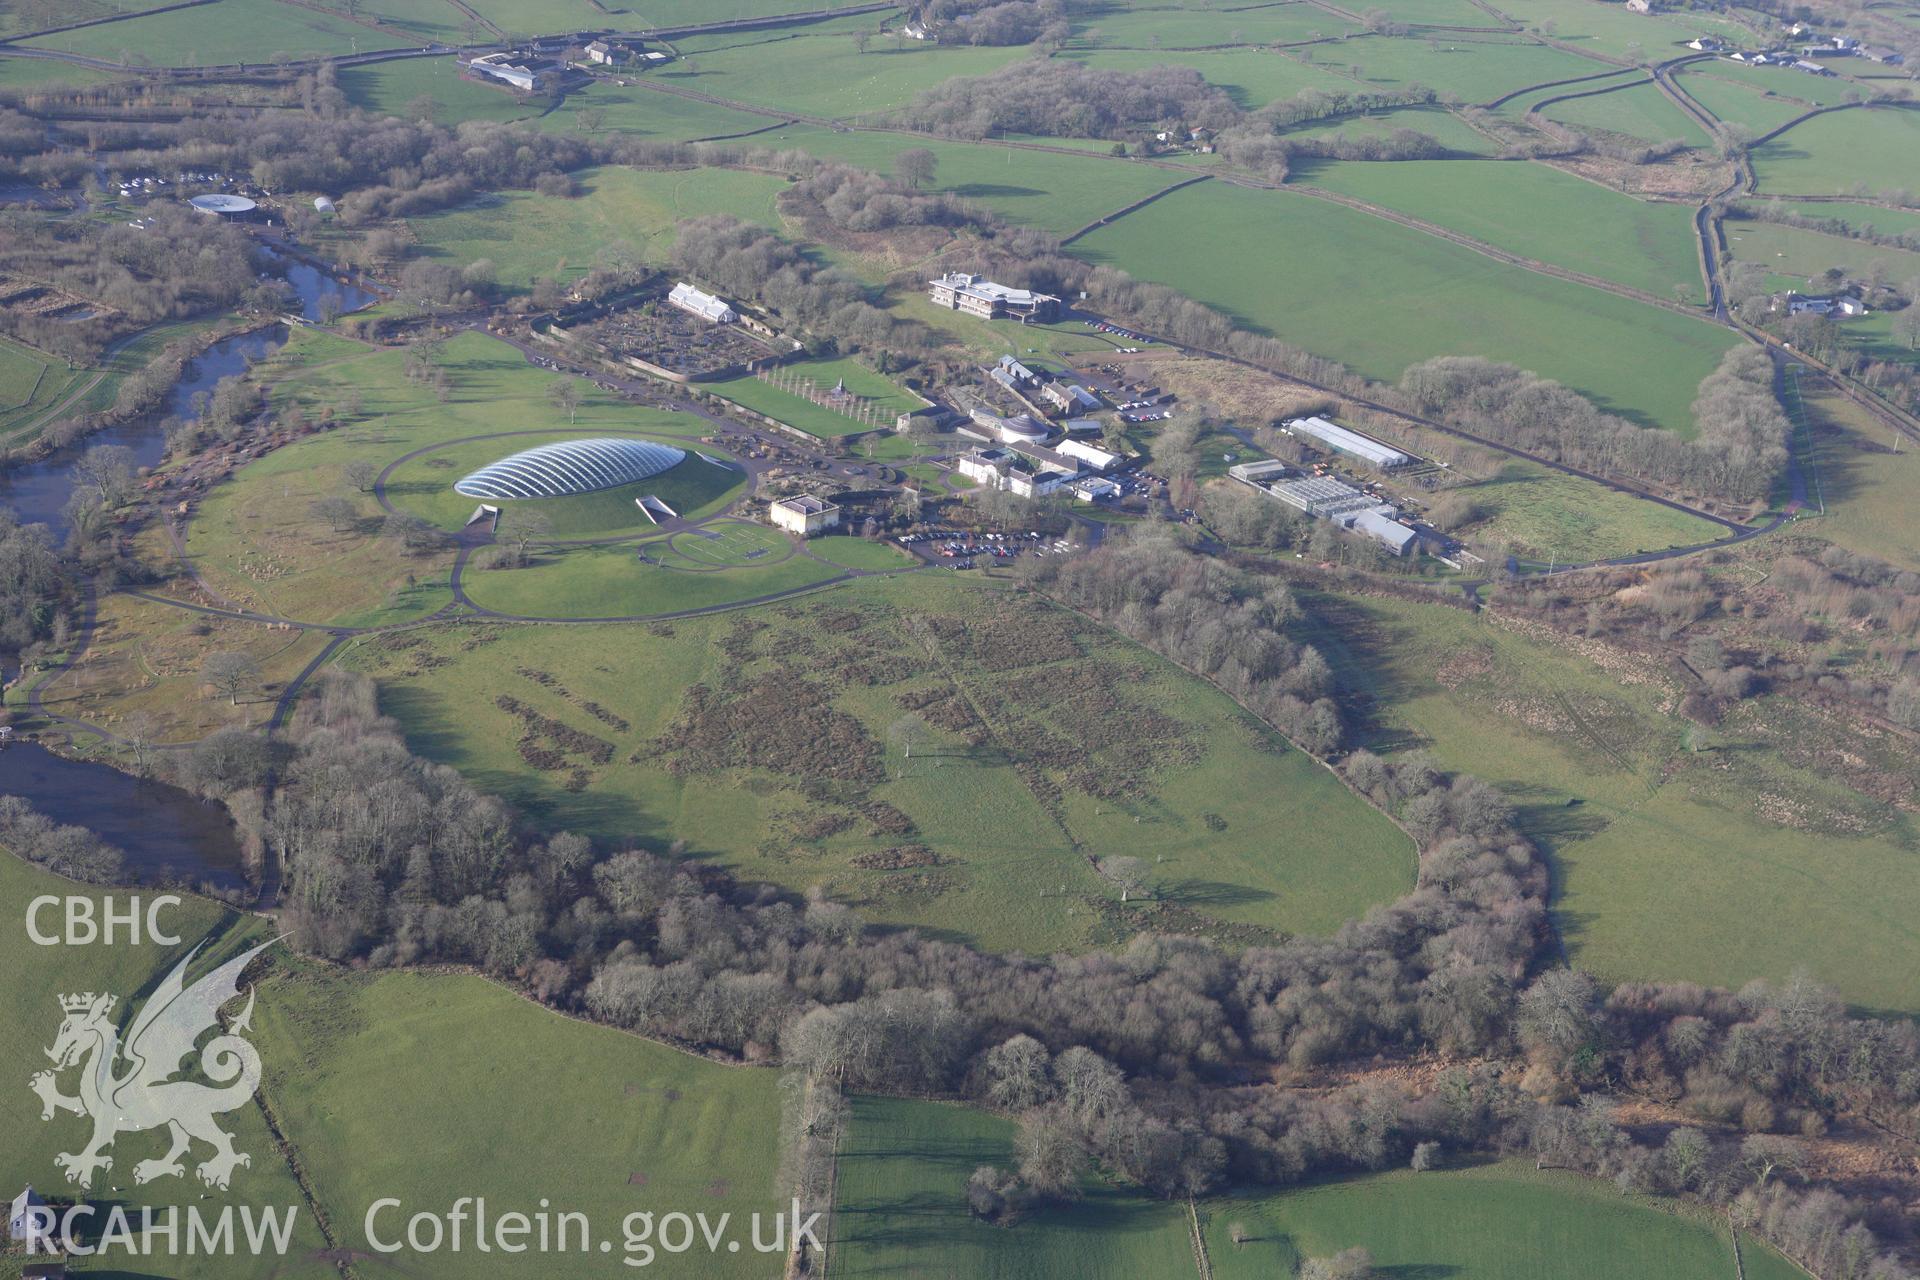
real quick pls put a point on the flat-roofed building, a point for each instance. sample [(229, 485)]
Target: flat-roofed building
[(1258, 474), (805, 514), (962, 291), (1088, 455)]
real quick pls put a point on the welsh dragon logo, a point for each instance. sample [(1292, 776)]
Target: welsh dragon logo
[(125, 1087)]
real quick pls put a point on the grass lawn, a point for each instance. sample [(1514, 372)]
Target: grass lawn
[(613, 582), (1542, 515), (1502, 1221), (693, 488), (901, 1208), (1379, 297), (796, 410), (1792, 255), (1057, 193), (377, 1082), (859, 553), (255, 536), (1668, 863), (1868, 149), (999, 805), (1537, 212), (1758, 107), (526, 235), (229, 31), (1641, 111), (29, 1008)]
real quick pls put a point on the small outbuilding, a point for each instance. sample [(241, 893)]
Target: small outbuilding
[(805, 515)]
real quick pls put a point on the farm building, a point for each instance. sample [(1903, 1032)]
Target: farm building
[(702, 304), (961, 291), (1021, 375), (609, 53), (1083, 427), (323, 205), (1070, 397), (231, 208), (1259, 473), (805, 515), (1798, 304), (1337, 437), (572, 466), (29, 1216)]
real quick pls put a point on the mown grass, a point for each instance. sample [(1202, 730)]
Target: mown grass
[(1545, 515), (376, 1082), (228, 31), (859, 553), (257, 540), (1380, 297), (1718, 865), (1286, 847), (1502, 1221), (1841, 152), (614, 582), (1537, 212), (526, 235), (1438, 123), (29, 1008), (821, 73), (31, 382), (901, 1208), (823, 420)]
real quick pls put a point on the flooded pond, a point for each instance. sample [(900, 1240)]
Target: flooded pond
[(168, 835)]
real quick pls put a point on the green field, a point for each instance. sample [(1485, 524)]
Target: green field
[(1536, 212), (1495, 1222), (376, 1081), (1866, 486), (1380, 297), (1468, 67), (1610, 30), (430, 20), (859, 553), (825, 421), (1251, 77), (228, 31), (31, 384), (1057, 193), (1737, 101), (1859, 217), (391, 88), (901, 1208), (256, 538), (1793, 256), (614, 582), (423, 486), (1641, 111), (1549, 516), (999, 797), (1841, 153), (1443, 126), (822, 74), (36, 977), (1744, 860), (1192, 28), (526, 235)]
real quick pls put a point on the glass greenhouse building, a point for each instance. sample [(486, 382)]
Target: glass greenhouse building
[(572, 466)]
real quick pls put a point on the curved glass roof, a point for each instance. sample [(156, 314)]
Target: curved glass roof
[(572, 466)]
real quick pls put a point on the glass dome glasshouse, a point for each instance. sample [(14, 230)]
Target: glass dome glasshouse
[(573, 466)]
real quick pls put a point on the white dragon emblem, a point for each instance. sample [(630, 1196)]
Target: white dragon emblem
[(143, 1095)]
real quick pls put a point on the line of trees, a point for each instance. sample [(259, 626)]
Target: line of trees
[(1059, 99)]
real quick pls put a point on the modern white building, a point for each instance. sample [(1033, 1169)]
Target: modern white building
[(805, 515), (702, 304), (1336, 437), (977, 296), (1081, 451)]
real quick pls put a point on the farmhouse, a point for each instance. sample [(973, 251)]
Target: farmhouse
[(1843, 304), (961, 291), (1337, 437), (609, 53), (805, 515), (29, 1216), (1070, 397), (702, 304)]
